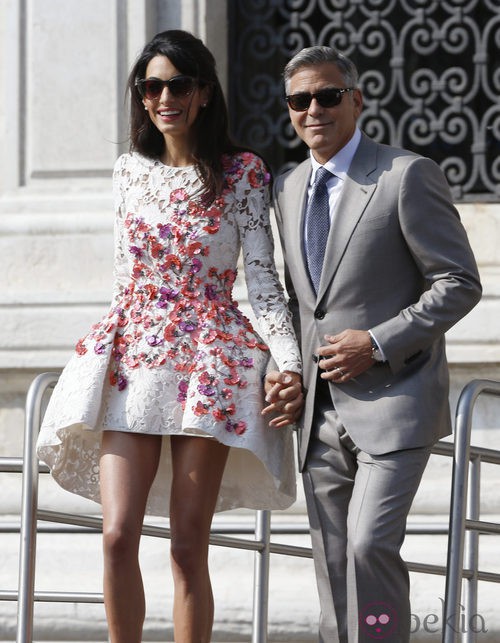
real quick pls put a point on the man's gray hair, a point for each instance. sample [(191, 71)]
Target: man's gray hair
[(318, 55)]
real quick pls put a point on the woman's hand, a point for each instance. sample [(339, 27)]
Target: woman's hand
[(284, 396)]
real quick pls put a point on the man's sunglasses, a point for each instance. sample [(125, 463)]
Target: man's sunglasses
[(178, 86), (329, 97)]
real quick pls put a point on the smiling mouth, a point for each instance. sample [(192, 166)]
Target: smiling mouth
[(165, 113)]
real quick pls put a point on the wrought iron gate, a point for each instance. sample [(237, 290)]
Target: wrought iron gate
[(430, 73)]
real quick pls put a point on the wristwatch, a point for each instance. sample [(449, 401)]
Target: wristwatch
[(376, 354)]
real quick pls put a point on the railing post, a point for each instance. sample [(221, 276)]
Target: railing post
[(472, 548), (457, 517), (261, 577), (458, 505), (29, 502)]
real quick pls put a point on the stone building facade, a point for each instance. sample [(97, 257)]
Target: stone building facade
[(63, 122)]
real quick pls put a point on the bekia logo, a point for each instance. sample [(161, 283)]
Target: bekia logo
[(378, 620)]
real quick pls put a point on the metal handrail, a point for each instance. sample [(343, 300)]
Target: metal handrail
[(461, 451), (30, 515), (463, 498), (413, 528), (29, 503)]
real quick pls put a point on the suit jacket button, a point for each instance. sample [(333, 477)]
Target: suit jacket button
[(319, 314)]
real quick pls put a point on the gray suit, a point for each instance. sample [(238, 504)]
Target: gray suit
[(397, 262)]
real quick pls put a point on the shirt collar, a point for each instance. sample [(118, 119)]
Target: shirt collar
[(340, 162)]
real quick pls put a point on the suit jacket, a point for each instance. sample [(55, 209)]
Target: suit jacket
[(397, 262)]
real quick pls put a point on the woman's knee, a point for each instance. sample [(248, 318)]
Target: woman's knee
[(119, 542), (188, 555)]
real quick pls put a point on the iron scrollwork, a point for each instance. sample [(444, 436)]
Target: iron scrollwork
[(429, 70)]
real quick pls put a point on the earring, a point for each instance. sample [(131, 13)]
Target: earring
[(203, 104), (145, 108)]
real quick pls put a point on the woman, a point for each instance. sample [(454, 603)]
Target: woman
[(175, 356)]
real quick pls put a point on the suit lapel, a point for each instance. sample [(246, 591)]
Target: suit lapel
[(293, 215), (354, 198)]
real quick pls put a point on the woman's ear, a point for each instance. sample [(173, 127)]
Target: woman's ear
[(205, 95)]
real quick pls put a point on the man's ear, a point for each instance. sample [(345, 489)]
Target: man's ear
[(357, 98)]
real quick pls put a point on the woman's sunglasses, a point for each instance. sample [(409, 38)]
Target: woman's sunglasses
[(329, 97), (178, 86)]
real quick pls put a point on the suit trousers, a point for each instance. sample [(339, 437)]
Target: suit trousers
[(358, 506)]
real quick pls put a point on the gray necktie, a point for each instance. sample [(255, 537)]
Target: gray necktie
[(317, 225)]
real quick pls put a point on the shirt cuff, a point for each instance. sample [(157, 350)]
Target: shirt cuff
[(382, 355)]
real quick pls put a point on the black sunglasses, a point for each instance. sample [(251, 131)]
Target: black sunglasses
[(329, 97), (178, 86)]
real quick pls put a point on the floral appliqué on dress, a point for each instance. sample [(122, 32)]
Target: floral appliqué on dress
[(175, 356), (177, 302)]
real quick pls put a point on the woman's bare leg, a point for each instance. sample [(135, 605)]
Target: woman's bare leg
[(128, 466), (198, 464)]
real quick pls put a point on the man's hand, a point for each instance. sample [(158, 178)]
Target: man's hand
[(285, 397), (346, 355)]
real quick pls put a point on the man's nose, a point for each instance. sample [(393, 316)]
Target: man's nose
[(314, 107)]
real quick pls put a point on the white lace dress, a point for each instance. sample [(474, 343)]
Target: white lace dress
[(175, 355)]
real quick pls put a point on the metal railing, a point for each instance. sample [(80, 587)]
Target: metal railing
[(459, 524), (30, 514), (464, 518)]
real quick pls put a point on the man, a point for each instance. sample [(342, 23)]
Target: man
[(371, 308)]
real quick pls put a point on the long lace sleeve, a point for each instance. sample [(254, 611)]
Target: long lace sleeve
[(265, 292), (120, 268)]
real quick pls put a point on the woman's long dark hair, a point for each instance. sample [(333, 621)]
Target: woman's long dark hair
[(211, 127)]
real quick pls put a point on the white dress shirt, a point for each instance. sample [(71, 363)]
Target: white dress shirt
[(338, 165)]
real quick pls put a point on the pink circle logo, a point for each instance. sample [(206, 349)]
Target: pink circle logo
[(378, 620)]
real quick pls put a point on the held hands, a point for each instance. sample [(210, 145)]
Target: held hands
[(345, 356), (285, 397)]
